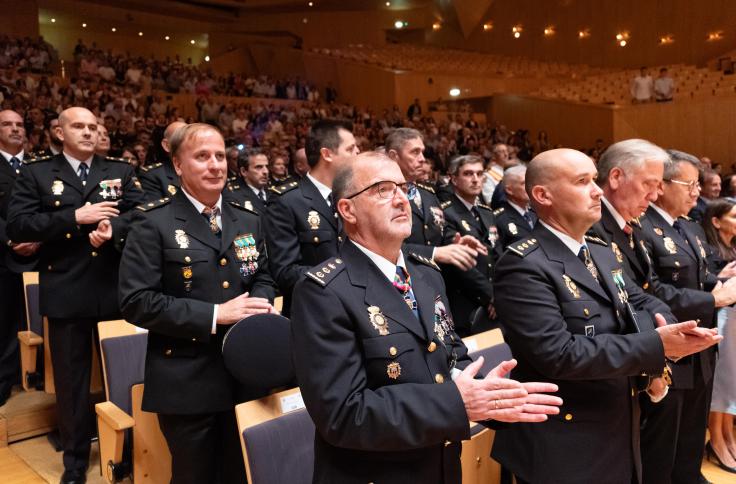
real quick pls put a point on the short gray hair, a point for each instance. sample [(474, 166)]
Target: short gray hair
[(462, 160), (628, 155), (397, 138), (187, 133), (518, 171), (672, 165)]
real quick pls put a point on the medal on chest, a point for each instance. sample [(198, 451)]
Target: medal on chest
[(246, 253)]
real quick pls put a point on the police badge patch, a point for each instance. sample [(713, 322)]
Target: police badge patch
[(438, 216)]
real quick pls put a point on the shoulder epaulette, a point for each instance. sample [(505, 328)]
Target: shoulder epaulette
[(36, 159), (232, 178), (326, 271), (426, 187), (145, 207), (283, 188), (232, 187), (446, 204), (591, 238), (523, 247), (119, 160), (148, 168), (424, 260), (685, 217), (498, 211), (247, 206), (484, 207)]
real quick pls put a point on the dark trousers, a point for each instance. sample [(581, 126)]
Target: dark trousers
[(71, 354), (12, 314), (673, 434), (204, 448)]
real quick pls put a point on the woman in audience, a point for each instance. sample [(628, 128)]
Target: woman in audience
[(719, 224)]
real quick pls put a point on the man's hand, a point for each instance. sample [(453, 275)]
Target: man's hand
[(92, 214), (473, 243), (724, 293), (241, 307), (26, 249), (458, 255), (683, 339), (728, 271), (657, 389), (102, 234), (504, 399)]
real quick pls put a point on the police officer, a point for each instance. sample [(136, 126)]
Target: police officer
[(193, 265), (302, 224), (406, 147), (673, 431), (64, 203), (514, 218), (14, 257), (382, 372), (160, 180), (568, 313), (251, 187), (470, 292)]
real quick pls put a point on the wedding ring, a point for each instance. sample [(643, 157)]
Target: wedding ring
[(495, 405)]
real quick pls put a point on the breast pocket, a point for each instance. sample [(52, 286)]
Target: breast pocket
[(316, 237), (52, 203), (185, 270), (582, 317), (669, 268), (393, 359)]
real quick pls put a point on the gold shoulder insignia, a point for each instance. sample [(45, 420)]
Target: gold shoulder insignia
[(36, 159), (498, 211), (424, 260), (481, 205), (596, 240), (325, 272), (247, 207), (148, 168), (523, 247), (426, 187), (119, 160), (446, 204), (284, 187), (145, 207), (685, 217)]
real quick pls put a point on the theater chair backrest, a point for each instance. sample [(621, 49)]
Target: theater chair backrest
[(124, 360)]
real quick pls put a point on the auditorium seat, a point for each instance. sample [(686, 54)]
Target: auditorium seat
[(31, 364), (131, 443)]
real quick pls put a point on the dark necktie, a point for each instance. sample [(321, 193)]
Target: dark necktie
[(679, 228), (529, 219), (210, 214), (16, 164), (262, 195), (476, 213), (402, 282), (413, 194), (584, 256), (83, 171)]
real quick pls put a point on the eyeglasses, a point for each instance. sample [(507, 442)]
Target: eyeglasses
[(386, 189), (692, 186)]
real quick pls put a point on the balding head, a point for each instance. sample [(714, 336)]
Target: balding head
[(168, 133), (78, 132), (12, 132)]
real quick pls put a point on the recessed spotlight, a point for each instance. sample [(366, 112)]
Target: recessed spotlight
[(167, 37), (114, 29), (206, 58), (436, 26), (140, 34), (454, 92), (517, 35), (667, 39), (388, 4), (399, 24), (517, 29), (192, 42), (84, 26), (53, 20), (311, 4), (488, 26), (549, 31), (622, 38), (622, 43), (715, 35), (305, 20), (584, 34)]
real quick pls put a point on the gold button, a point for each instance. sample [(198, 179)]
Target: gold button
[(187, 259), (194, 339), (618, 313), (68, 236), (94, 254), (151, 204), (428, 242), (88, 203), (677, 263), (439, 378), (225, 285), (339, 238), (477, 460), (223, 261), (392, 351), (432, 346), (57, 203), (49, 268), (645, 286), (447, 443), (426, 227), (568, 417), (316, 239), (586, 311), (167, 352)]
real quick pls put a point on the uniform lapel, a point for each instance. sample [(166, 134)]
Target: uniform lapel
[(617, 235), (229, 227), (97, 173), (318, 202), (194, 223), (62, 170), (424, 295)]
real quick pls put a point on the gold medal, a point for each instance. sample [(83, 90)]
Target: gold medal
[(181, 238), (465, 225), (700, 246), (393, 370), (617, 252), (669, 244), (571, 286), (378, 320), (313, 220), (57, 188), (186, 272)]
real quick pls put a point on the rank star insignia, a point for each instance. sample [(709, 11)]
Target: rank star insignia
[(669, 244), (513, 229), (57, 188), (571, 286), (171, 189), (313, 220), (465, 225), (378, 320), (617, 252), (393, 370), (181, 238)]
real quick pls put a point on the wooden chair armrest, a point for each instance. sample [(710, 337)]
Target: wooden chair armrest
[(112, 416), (29, 338)]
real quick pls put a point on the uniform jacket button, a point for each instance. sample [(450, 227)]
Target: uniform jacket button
[(392, 351), (225, 285), (94, 254), (167, 352), (223, 261), (438, 378), (187, 259), (432, 346), (568, 417)]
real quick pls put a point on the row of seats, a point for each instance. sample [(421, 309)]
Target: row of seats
[(276, 432)]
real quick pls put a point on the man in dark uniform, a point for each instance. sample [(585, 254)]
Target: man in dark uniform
[(59, 202), (382, 372), (470, 292), (14, 257), (514, 218), (673, 431), (160, 180), (302, 224), (568, 311), (406, 147), (250, 189), (192, 267)]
